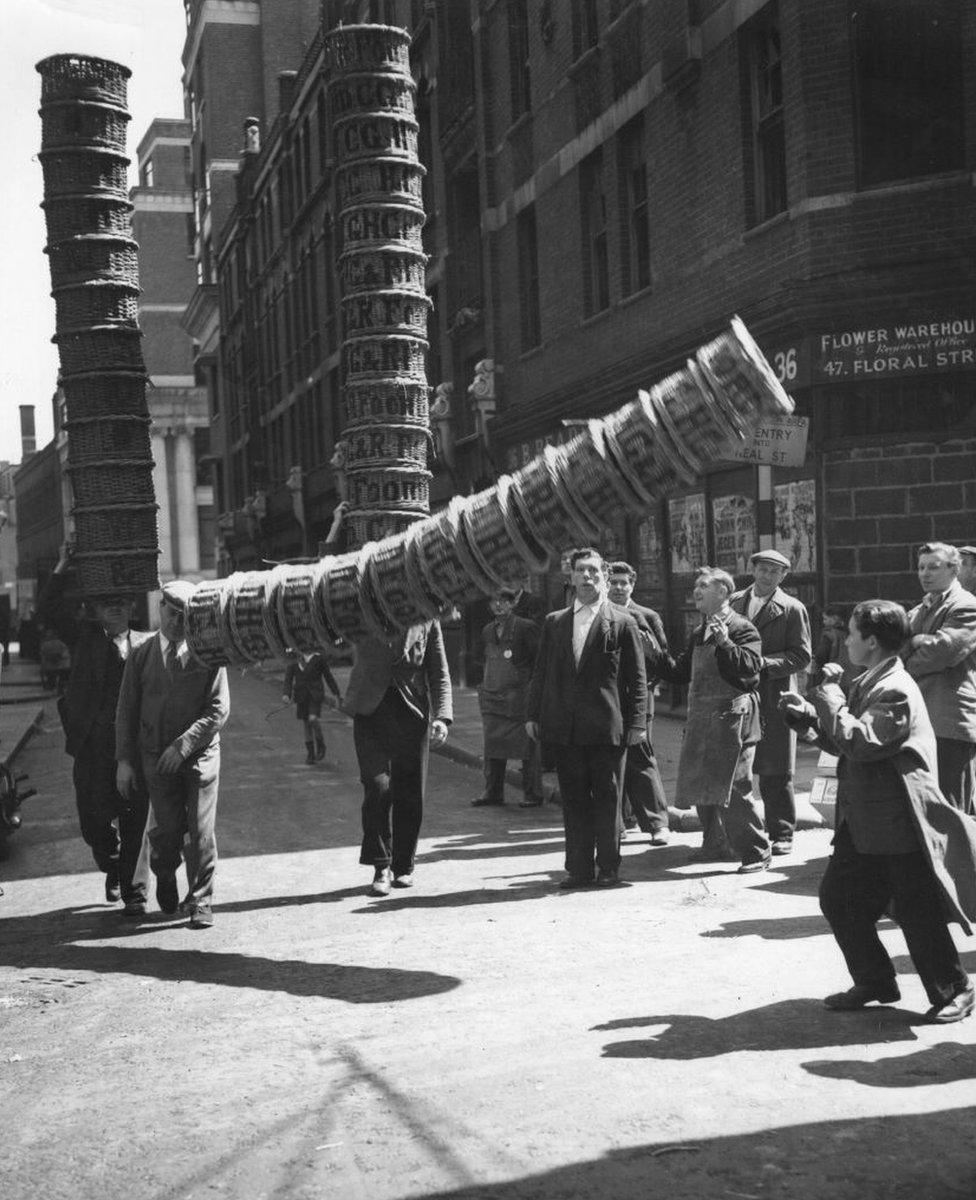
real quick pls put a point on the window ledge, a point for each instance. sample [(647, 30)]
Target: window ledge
[(518, 125), (755, 231), (532, 352), (583, 61), (633, 297), (597, 317)]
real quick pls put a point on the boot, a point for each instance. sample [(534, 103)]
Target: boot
[(319, 745), (310, 753)]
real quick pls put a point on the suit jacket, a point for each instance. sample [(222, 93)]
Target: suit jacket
[(739, 665), (416, 667), (185, 708), (943, 664), (887, 779), (520, 635), (784, 627), (603, 699), (92, 690)]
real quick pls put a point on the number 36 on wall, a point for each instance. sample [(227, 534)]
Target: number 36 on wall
[(791, 364)]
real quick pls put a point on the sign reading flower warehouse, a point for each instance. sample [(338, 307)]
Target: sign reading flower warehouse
[(907, 347)]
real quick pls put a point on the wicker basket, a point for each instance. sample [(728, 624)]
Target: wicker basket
[(688, 457), (96, 439), (375, 313), (375, 135), (446, 561), (390, 488), (384, 446), (597, 484), (80, 77), (83, 123), (105, 394), (121, 526), (386, 570), (521, 528), (83, 213), (372, 525), (352, 49), (578, 512), (737, 371), (370, 605), (636, 430), (118, 481), (338, 593), (380, 179), (105, 348), (249, 629), (95, 302), (373, 91), (207, 630), (405, 401), (387, 225), (555, 526), (97, 257), (69, 170), (376, 268), (493, 537), (114, 572), (668, 452), (387, 358)]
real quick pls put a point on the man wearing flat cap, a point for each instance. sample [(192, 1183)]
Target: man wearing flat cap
[(784, 628), (967, 568), (167, 728)]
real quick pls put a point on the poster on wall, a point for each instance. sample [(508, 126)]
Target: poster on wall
[(734, 529), (686, 523), (795, 507), (650, 553)]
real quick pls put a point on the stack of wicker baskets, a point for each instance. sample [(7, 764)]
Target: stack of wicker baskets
[(381, 274), (95, 285)]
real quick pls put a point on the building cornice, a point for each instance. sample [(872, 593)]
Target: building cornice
[(216, 12), (157, 200)]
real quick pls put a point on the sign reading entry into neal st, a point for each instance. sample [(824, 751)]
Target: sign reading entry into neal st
[(777, 442)]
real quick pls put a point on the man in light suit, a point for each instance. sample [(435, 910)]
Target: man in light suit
[(167, 726), (784, 627), (588, 703), (941, 657), (643, 787), (399, 695)]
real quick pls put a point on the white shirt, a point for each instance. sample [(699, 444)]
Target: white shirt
[(755, 604), (121, 641), (583, 617), (182, 650)]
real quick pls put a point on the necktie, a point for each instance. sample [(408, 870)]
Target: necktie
[(171, 657)]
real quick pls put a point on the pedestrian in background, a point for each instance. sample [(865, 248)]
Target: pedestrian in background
[(784, 628), (509, 647), (167, 730), (831, 646), (721, 666), (940, 656), (306, 678), (896, 838), (588, 703), (645, 803), (967, 568), (399, 695)]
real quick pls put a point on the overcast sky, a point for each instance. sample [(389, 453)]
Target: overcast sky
[(145, 35)]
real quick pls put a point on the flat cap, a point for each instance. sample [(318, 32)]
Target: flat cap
[(968, 550), (771, 556), (178, 591)]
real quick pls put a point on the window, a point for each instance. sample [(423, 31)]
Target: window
[(765, 141), (530, 317), (635, 246), (586, 32), (307, 155), (593, 225), (148, 173), (908, 71), (518, 57), (322, 122)]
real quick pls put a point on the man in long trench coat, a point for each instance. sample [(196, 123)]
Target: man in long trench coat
[(784, 627), (897, 839)]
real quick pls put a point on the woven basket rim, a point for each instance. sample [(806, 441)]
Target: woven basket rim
[(136, 552), (101, 197), (74, 148), (385, 159), (122, 284), (110, 462), (81, 330), (83, 102), (42, 67), (115, 508), (415, 297), (99, 419)]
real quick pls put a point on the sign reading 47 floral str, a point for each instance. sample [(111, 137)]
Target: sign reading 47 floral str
[(899, 347)]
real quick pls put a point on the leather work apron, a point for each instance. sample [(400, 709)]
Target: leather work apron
[(713, 734), (502, 697)]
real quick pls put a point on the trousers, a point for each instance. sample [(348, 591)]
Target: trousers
[(644, 788), (591, 784), (739, 827), (779, 801), (957, 772), (531, 776), (184, 805), (392, 748), (855, 892), (101, 808)]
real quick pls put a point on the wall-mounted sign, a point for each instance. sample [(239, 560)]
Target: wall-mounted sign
[(907, 347), (776, 441)]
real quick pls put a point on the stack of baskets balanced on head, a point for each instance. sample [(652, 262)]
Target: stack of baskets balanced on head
[(95, 285)]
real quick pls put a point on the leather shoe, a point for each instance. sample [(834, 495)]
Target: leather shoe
[(201, 916), (607, 879), (573, 881), (960, 1006), (782, 847), (403, 881), (750, 868), (113, 893), (167, 893), (659, 839), (486, 802), (861, 994), (381, 882), (134, 909)]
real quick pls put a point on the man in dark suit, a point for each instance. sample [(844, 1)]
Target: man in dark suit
[(588, 702), (399, 695), (167, 731), (784, 627), (643, 786)]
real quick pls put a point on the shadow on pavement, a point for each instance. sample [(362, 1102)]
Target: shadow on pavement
[(524, 891), (55, 940), (785, 1025), (948, 1062), (780, 929), (852, 1159)]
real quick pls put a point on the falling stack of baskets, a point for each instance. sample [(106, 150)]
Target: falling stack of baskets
[(95, 285), (378, 181), (627, 461)]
